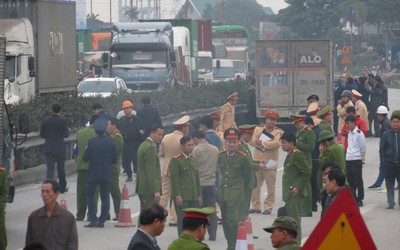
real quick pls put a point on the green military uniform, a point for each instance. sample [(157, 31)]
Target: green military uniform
[(3, 200), (235, 177), (324, 126), (115, 191), (148, 179), (82, 137), (253, 180), (185, 183), (305, 142), (287, 223), (296, 173), (334, 153), (187, 242)]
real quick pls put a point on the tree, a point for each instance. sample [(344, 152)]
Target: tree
[(132, 13)]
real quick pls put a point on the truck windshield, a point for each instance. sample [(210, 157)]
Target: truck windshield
[(205, 64), (97, 86), (140, 59), (10, 66), (238, 66), (227, 72)]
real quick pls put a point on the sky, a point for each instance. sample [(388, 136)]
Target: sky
[(102, 7)]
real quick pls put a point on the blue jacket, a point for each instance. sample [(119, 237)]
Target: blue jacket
[(389, 148), (101, 153)]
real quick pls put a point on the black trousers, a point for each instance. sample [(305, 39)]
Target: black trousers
[(209, 194), (377, 126), (129, 155), (314, 182), (52, 160), (354, 177)]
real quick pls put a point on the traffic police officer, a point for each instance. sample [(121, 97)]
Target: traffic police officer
[(235, 176), (195, 223), (228, 112), (185, 181)]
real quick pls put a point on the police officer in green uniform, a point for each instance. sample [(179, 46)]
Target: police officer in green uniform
[(148, 179), (3, 200), (82, 137), (296, 177), (246, 134), (326, 117), (331, 151), (185, 182), (235, 177), (115, 191), (195, 222), (305, 142), (283, 233)]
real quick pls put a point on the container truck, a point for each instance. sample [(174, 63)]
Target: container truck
[(205, 67), (142, 54), (182, 53), (41, 48), (288, 71)]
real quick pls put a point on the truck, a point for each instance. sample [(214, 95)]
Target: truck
[(142, 54), (205, 67), (41, 48), (182, 53), (288, 71)]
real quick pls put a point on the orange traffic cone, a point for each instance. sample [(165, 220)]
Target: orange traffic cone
[(124, 218), (241, 241), (339, 138), (63, 204), (249, 231)]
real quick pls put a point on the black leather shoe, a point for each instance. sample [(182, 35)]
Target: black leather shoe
[(172, 225), (91, 224), (64, 190), (390, 207), (266, 212), (255, 211), (373, 187)]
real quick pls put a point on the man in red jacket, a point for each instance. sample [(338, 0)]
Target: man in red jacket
[(360, 123)]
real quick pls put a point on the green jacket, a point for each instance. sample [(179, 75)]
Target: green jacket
[(235, 175), (3, 188), (253, 166), (291, 245), (305, 142), (148, 170), (119, 141), (187, 242), (82, 138), (325, 126), (334, 153), (296, 173), (185, 180)]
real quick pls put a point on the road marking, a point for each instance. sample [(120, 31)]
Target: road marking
[(363, 210)]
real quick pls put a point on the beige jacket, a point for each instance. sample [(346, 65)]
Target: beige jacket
[(170, 147), (271, 148), (342, 113), (362, 111), (227, 117)]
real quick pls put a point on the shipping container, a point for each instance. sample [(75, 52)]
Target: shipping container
[(83, 39), (204, 35), (288, 71), (55, 46)]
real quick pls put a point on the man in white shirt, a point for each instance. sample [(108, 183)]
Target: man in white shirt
[(354, 158)]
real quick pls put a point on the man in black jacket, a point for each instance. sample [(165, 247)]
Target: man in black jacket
[(54, 129), (132, 130), (389, 151), (149, 115), (152, 222)]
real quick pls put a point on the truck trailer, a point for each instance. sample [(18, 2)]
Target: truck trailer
[(41, 48), (288, 71)]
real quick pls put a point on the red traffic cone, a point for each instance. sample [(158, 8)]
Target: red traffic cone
[(339, 138), (241, 241), (124, 219), (63, 204), (249, 231)]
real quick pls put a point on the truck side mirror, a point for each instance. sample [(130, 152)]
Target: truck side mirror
[(31, 63), (24, 123), (218, 64)]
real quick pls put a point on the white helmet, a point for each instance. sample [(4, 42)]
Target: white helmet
[(382, 110)]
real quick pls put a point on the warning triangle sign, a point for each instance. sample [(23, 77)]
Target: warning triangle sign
[(342, 227), (345, 60)]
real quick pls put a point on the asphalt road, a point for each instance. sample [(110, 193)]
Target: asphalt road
[(384, 225)]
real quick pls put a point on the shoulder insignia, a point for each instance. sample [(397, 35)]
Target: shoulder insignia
[(242, 153), (192, 156), (2, 169), (177, 156), (223, 152), (309, 128), (294, 150)]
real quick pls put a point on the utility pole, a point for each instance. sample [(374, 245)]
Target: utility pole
[(186, 9), (222, 11), (110, 12), (91, 14)]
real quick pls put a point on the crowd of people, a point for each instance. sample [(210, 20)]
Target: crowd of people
[(213, 169)]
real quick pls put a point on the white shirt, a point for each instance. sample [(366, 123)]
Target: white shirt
[(356, 145)]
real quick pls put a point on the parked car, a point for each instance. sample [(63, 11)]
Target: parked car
[(103, 86)]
